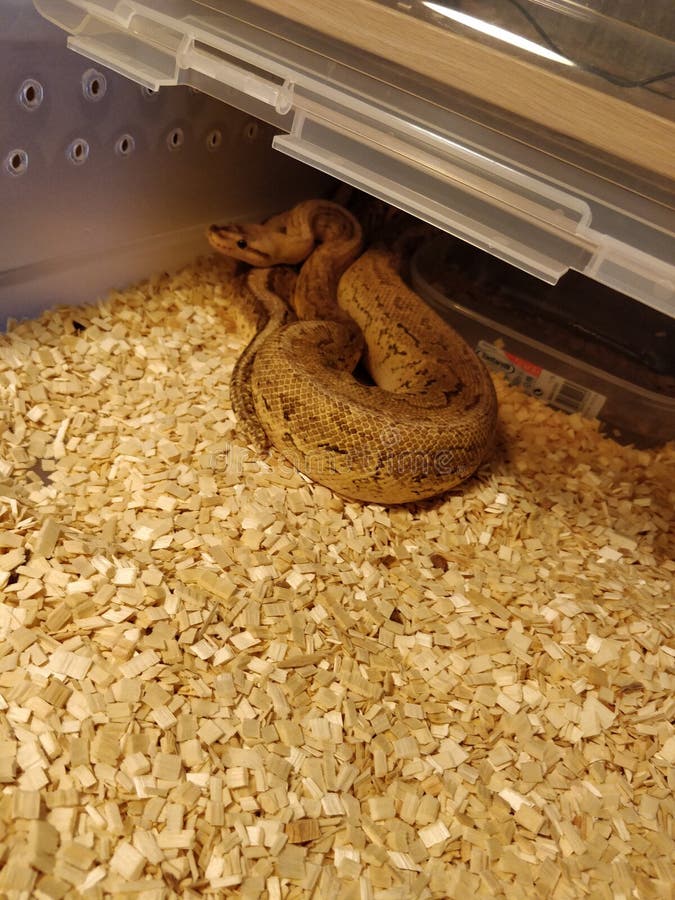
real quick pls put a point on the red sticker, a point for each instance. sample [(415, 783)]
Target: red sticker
[(525, 365)]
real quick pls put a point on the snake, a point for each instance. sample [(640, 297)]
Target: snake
[(420, 421)]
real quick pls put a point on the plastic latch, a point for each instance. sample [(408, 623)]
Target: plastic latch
[(504, 218), (235, 75)]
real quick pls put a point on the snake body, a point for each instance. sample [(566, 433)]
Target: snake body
[(264, 302), (426, 424)]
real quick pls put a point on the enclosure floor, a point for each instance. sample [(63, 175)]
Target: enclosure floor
[(218, 679)]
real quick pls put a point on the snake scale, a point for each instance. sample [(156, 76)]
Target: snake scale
[(428, 420)]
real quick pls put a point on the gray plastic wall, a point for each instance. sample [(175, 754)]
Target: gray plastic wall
[(103, 183)]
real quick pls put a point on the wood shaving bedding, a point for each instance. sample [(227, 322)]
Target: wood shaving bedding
[(218, 679)]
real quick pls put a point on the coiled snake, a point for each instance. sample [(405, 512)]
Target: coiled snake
[(426, 423)]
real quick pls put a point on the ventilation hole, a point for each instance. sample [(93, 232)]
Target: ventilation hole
[(78, 151), (16, 162), (175, 139), (31, 94), (214, 139), (125, 145), (251, 130), (94, 85)]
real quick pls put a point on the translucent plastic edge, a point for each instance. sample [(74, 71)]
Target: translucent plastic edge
[(444, 192), (391, 191)]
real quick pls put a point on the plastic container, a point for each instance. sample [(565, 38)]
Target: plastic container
[(103, 182), (541, 132), (547, 342)]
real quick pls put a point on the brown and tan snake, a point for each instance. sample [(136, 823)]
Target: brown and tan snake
[(429, 419)]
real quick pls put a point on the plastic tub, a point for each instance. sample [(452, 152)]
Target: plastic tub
[(544, 339)]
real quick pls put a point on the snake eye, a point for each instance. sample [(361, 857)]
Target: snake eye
[(242, 244)]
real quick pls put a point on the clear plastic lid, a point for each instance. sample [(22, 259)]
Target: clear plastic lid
[(541, 131), (620, 47)]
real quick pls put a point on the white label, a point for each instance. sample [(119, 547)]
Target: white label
[(549, 387)]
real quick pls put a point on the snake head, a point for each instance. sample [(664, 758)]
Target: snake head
[(249, 243), (261, 245)]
